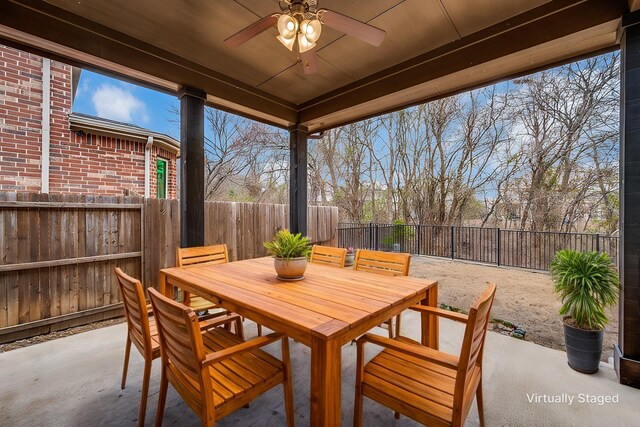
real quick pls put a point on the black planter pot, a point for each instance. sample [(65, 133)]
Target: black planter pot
[(584, 348)]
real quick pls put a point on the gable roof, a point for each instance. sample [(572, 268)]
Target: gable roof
[(113, 128)]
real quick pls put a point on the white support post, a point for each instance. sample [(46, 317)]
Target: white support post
[(46, 125), (147, 167)]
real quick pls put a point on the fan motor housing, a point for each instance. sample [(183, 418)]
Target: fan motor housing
[(307, 8)]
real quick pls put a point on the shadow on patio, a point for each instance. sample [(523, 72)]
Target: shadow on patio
[(75, 381)]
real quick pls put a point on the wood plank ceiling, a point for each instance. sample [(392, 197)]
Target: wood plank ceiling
[(432, 48)]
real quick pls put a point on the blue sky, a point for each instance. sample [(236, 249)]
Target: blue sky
[(106, 97)]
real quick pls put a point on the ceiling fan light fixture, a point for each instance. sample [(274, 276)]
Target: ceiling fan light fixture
[(287, 26), (311, 30), (301, 21)]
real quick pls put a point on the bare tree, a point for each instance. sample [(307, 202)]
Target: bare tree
[(539, 153), (560, 113)]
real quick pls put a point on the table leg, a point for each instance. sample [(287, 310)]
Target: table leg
[(430, 322), (326, 382), (165, 290)]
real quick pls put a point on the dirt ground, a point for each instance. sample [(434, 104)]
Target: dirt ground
[(523, 297)]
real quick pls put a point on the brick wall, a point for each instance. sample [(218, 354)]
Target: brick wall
[(97, 165), (20, 120), (81, 164), (104, 165)]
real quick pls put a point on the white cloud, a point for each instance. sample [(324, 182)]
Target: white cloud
[(118, 103), (83, 87)]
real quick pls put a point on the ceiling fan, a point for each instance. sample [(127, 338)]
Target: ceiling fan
[(301, 21)]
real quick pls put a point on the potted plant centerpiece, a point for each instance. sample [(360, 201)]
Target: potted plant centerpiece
[(587, 283), (290, 252), (349, 259)]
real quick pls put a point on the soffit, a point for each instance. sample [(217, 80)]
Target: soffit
[(428, 46), (195, 30)]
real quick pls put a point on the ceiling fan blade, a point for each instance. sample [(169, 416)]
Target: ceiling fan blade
[(309, 63), (365, 32), (251, 31)]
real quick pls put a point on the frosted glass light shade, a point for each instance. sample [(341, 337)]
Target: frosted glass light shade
[(288, 43), (303, 43), (311, 30), (287, 26)]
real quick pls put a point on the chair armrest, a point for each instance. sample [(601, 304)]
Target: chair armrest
[(451, 315), (214, 315), (419, 351), (238, 349), (213, 320)]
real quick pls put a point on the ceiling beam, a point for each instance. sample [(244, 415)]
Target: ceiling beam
[(548, 22), (74, 33)]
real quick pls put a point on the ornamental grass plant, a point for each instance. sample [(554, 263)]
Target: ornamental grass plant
[(587, 283), (286, 245)]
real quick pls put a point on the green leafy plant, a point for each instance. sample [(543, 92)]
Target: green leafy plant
[(587, 283), (400, 232), (286, 245)]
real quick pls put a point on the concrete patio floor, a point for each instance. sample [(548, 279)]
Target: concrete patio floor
[(75, 381)]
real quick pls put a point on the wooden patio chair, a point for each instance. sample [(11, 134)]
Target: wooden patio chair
[(214, 371), (429, 386), (204, 255), (201, 255), (327, 255), (387, 263), (141, 330)]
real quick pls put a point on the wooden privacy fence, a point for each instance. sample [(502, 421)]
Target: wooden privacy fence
[(58, 252), (57, 255), (242, 226)]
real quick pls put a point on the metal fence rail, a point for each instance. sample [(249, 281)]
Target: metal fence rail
[(514, 248)]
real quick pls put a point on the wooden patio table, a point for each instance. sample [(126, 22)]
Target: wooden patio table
[(326, 310)]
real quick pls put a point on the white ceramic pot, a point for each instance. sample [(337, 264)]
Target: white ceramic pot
[(290, 268)]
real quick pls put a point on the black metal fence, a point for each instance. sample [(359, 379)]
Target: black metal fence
[(515, 248)]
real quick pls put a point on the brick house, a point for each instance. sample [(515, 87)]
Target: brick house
[(46, 148)]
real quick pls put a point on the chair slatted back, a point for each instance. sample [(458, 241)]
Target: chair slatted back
[(135, 309), (388, 263), (179, 332), (203, 255), (472, 349), (327, 255)]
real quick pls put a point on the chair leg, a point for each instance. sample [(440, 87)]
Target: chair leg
[(390, 326), (359, 399), (145, 392), (162, 398), (398, 322), (239, 328), (259, 329), (127, 352), (480, 403), (287, 385)]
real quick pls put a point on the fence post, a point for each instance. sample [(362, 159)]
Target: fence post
[(498, 246), (597, 242), (452, 252), (375, 247), (419, 247)]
